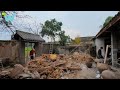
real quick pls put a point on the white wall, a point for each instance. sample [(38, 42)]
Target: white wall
[(99, 42)]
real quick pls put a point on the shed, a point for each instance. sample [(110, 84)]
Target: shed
[(25, 37)]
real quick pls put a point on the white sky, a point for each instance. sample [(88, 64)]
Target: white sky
[(82, 23)]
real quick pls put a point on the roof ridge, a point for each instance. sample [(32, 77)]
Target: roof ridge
[(26, 32), (29, 36)]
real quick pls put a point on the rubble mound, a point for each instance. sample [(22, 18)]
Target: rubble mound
[(76, 66), (61, 67)]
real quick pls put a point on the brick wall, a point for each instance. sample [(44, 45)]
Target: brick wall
[(9, 49)]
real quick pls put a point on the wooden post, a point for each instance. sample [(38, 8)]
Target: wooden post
[(27, 53)]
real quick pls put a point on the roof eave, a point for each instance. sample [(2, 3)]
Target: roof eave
[(112, 22)]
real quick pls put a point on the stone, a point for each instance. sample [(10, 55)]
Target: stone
[(99, 60), (88, 74), (101, 67), (36, 75), (107, 74), (24, 76)]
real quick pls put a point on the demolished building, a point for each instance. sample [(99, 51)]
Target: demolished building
[(110, 35)]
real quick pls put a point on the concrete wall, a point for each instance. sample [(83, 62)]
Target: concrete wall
[(46, 47), (63, 51), (99, 42), (83, 48), (115, 46)]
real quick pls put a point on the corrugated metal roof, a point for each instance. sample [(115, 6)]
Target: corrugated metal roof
[(29, 36)]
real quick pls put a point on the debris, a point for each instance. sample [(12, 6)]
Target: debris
[(17, 70), (76, 66), (36, 75), (61, 56), (76, 54), (60, 65), (89, 64), (53, 56), (24, 76), (5, 74)]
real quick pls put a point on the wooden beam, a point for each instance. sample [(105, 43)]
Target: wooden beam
[(106, 53)]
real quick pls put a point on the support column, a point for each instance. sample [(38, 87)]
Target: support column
[(38, 48), (114, 48), (41, 48)]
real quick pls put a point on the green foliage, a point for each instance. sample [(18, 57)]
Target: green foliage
[(27, 50), (76, 40), (107, 20), (51, 28), (63, 38)]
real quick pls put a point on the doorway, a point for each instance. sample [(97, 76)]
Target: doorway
[(28, 48), (108, 42)]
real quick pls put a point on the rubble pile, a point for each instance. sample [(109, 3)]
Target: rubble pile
[(52, 67), (63, 66), (75, 66)]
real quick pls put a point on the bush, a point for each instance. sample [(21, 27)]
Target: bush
[(55, 51)]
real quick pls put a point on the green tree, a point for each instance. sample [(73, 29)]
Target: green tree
[(107, 20), (64, 39), (51, 28)]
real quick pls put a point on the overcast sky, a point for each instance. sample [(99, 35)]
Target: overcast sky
[(82, 23)]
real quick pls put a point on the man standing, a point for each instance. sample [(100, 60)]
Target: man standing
[(100, 53)]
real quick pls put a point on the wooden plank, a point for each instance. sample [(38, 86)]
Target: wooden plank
[(106, 54)]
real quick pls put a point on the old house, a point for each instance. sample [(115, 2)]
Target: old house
[(15, 49), (110, 35)]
